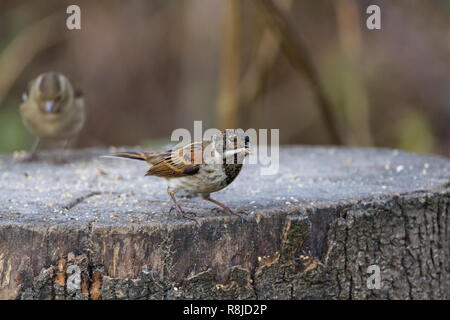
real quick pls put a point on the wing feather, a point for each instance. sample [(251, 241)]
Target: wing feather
[(179, 162)]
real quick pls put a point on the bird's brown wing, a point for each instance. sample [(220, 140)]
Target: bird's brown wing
[(179, 162)]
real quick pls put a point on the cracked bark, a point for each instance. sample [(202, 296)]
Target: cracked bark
[(78, 200)]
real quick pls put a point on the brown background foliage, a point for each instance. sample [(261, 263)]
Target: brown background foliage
[(149, 67)]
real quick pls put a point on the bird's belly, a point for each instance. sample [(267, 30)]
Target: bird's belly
[(61, 127), (206, 181)]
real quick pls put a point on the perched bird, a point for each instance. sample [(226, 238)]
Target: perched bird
[(52, 109), (201, 167)]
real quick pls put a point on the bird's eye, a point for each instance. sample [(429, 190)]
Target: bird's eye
[(247, 139)]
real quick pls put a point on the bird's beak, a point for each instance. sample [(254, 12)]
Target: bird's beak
[(49, 106)]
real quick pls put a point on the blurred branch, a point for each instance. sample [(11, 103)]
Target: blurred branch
[(228, 102), (267, 52), (295, 51), (25, 46), (356, 103)]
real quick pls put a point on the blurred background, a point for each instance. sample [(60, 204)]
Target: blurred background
[(310, 68)]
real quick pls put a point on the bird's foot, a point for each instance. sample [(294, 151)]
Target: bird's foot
[(224, 207), (30, 157), (181, 214), (61, 160), (229, 211)]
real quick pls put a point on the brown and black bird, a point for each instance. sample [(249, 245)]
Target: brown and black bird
[(201, 167), (52, 109)]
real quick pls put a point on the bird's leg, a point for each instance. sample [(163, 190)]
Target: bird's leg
[(62, 158), (32, 155), (177, 206), (64, 146), (220, 204)]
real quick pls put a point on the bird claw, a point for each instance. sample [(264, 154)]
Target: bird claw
[(243, 217), (176, 209), (30, 157), (61, 160), (182, 214)]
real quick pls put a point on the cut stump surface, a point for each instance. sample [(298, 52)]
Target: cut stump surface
[(321, 228)]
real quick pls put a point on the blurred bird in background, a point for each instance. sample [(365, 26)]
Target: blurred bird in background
[(52, 110)]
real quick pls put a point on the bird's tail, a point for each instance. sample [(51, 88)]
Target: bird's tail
[(129, 155), (150, 157)]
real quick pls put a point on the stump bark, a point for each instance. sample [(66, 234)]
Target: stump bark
[(97, 228)]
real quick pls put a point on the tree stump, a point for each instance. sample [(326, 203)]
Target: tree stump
[(97, 228)]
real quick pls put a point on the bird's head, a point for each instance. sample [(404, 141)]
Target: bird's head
[(51, 91), (233, 145)]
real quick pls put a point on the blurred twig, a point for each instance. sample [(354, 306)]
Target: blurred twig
[(228, 102), (295, 51), (266, 54), (356, 103), (25, 46)]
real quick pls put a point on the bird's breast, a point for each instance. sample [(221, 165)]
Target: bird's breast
[(210, 178), (62, 125)]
